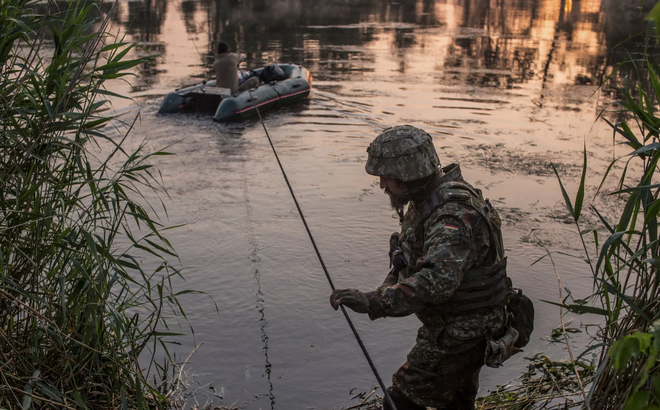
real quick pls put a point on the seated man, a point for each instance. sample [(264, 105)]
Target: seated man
[(226, 71)]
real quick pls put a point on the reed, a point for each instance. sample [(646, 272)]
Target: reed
[(622, 256), (625, 262), (81, 316)]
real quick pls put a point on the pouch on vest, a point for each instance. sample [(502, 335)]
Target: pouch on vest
[(520, 324), (521, 309), (498, 351)]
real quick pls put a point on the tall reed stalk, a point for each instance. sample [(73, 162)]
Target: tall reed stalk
[(625, 265), (622, 256), (78, 314)]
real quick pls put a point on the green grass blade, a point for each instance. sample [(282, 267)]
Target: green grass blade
[(567, 199), (579, 198)]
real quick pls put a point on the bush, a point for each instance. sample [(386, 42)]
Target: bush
[(77, 313)]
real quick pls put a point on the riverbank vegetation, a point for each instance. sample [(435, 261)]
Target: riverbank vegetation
[(622, 256), (619, 369), (81, 314)]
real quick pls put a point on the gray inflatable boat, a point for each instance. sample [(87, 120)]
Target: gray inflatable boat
[(206, 97)]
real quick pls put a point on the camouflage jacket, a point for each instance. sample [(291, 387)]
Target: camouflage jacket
[(445, 245)]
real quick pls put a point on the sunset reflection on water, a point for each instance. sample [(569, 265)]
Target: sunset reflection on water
[(505, 87)]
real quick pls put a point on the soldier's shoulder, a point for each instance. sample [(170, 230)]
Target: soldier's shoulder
[(456, 213), (450, 209)]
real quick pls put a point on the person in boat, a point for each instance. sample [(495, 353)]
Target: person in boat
[(450, 240), (227, 71)]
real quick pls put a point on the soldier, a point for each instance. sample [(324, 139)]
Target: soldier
[(448, 269)]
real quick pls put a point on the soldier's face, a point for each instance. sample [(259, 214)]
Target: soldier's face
[(394, 189), (391, 186)]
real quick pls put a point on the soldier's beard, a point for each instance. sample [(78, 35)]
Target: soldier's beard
[(397, 202)]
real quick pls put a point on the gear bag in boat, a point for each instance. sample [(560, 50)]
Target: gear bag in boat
[(272, 72)]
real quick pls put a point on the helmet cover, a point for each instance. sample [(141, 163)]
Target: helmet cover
[(403, 152)]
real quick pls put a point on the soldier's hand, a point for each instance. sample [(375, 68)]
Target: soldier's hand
[(351, 298)]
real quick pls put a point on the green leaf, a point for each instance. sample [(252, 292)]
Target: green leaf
[(654, 15), (652, 211), (646, 148), (615, 237), (655, 387), (580, 194), (110, 93), (644, 340), (117, 66), (653, 71), (633, 141), (160, 248), (622, 351), (138, 393), (122, 53), (51, 392), (110, 47), (95, 123), (26, 402), (637, 401), (579, 308), (124, 402), (613, 290), (168, 334), (567, 200), (49, 108), (628, 212)]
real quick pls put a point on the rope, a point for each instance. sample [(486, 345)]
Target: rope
[(325, 270)]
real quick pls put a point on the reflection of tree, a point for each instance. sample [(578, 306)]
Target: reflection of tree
[(337, 30), (503, 37), (56, 7), (506, 52), (512, 48), (145, 19), (493, 43), (188, 9)]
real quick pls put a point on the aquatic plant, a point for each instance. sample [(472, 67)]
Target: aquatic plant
[(81, 315), (622, 257), (625, 267)]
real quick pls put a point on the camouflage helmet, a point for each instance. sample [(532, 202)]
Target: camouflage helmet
[(403, 152)]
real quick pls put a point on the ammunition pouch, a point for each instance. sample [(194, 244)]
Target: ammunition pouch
[(520, 325), (499, 350), (521, 310)]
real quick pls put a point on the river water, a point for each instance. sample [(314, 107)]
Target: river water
[(505, 87)]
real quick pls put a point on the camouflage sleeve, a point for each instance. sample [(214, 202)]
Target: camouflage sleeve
[(391, 279), (447, 255)]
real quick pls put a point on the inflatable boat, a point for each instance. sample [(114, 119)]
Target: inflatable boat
[(206, 97)]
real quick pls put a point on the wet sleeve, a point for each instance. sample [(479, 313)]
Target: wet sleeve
[(446, 258)]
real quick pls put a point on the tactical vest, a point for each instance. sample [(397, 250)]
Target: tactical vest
[(483, 288)]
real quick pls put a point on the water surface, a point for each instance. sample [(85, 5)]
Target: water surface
[(505, 87)]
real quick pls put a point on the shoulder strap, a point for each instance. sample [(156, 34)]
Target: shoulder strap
[(455, 191), (452, 191)]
